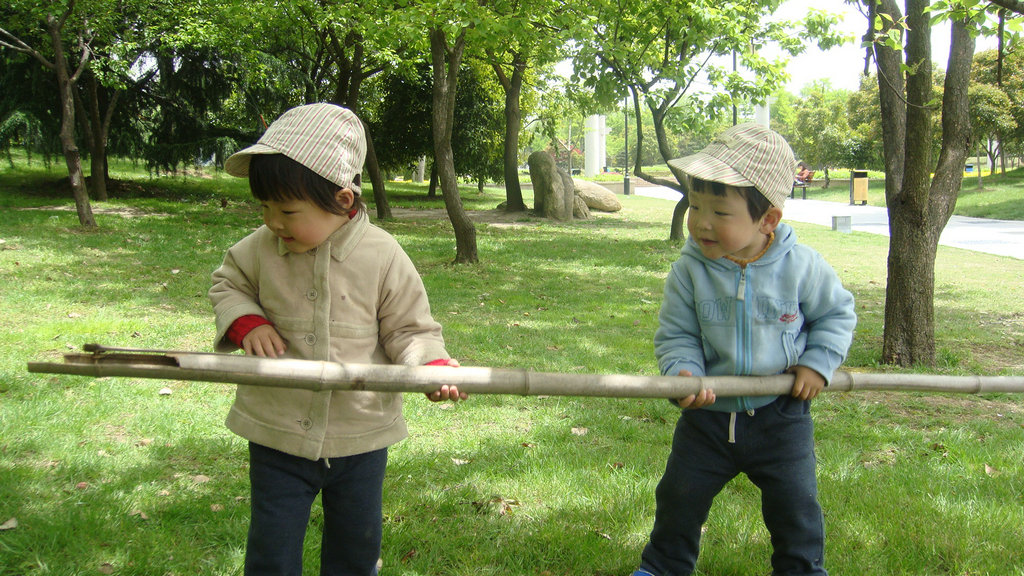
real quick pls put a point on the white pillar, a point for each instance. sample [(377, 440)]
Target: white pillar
[(594, 146), (762, 114)]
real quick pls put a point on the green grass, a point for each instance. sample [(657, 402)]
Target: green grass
[(110, 476)]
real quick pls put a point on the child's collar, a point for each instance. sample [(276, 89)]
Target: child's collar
[(743, 262)]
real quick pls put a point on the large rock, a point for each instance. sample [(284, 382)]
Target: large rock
[(597, 197), (579, 208), (553, 190)]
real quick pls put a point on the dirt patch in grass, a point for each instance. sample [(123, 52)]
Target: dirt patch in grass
[(953, 407)]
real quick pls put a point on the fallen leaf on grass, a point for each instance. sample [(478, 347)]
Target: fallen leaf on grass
[(10, 524), (200, 479), (216, 507), (503, 505), (580, 431), (408, 555), (992, 472), (106, 568), (142, 515), (459, 462)]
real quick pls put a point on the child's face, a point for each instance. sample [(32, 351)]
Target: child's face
[(301, 224), (722, 226)]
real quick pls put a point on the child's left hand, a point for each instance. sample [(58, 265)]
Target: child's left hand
[(808, 382), (446, 392)]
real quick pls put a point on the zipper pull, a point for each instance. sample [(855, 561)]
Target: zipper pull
[(742, 289)]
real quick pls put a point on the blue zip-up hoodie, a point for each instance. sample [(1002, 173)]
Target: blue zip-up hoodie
[(786, 308)]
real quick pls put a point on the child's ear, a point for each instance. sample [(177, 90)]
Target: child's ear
[(345, 197), (770, 220)]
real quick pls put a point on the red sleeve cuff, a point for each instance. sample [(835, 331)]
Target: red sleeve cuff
[(438, 362), (242, 326)]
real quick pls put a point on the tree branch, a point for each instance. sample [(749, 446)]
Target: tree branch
[(18, 45), (1011, 5)]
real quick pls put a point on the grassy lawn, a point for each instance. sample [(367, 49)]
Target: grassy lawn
[(110, 476)]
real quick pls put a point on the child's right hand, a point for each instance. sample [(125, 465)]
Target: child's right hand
[(706, 397), (264, 341)]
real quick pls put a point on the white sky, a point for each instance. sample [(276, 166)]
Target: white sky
[(844, 65)]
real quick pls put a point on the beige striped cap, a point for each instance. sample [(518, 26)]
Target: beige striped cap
[(325, 138), (744, 155)]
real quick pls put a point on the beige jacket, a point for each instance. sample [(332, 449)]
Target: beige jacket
[(355, 298)]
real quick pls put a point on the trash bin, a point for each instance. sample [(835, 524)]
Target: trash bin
[(858, 186)]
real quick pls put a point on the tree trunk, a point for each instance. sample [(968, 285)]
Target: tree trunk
[(919, 205), (677, 231), (446, 60), (72, 157), (513, 123), (380, 196), (432, 187), (95, 131)]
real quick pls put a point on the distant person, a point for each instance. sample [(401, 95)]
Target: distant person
[(804, 174), (318, 282), (745, 299)]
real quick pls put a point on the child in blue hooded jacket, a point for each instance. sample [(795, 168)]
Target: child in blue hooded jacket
[(745, 299)]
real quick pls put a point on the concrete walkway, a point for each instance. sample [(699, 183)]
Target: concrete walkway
[(1000, 237)]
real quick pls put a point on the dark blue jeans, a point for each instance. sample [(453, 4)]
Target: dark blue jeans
[(283, 488), (774, 447)]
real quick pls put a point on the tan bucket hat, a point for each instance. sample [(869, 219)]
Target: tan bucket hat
[(325, 138), (744, 155)]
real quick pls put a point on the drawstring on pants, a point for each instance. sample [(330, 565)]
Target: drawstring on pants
[(732, 425)]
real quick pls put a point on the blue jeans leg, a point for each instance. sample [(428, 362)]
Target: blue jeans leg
[(774, 447), (353, 515), (699, 466), (782, 463), (283, 488)]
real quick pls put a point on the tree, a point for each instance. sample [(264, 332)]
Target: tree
[(525, 33), (821, 129), (918, 204), (655, 51), (1004, 72), (328, 50), (64, 48), (991, 120), (404, 109), (446, 56)]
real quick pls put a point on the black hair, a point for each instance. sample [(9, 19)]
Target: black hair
[(278, 178), (757, 203)]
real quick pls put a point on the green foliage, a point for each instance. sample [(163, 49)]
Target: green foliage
[(400, 122), (20, 129)]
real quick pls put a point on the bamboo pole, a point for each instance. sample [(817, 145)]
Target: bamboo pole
[(321, 376)]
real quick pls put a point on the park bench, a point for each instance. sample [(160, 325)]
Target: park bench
[(802, 185)]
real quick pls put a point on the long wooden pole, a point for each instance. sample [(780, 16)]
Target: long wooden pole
[(319, 376)]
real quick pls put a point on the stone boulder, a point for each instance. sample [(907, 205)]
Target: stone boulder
[(597, 197), (580, 211), (553, 190)]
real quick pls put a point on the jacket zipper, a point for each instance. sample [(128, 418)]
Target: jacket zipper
[(743, 331)]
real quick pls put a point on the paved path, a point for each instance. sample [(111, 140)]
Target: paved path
[(1000, 237)]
